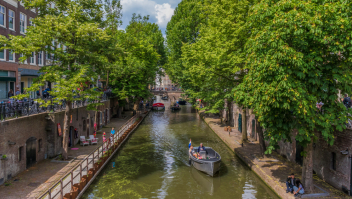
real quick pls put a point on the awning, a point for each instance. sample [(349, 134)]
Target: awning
[(13, 79), (29, 72)]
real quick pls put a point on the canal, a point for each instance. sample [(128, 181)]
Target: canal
[(154, 164)]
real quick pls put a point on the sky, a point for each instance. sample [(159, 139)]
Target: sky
[(159, 11)]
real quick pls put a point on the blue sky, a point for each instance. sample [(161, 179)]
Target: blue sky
[(159, 11)]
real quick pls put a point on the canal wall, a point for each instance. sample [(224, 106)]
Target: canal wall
[(273, 169)]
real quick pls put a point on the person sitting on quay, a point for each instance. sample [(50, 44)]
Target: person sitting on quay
[(290, 183), (298, 189)]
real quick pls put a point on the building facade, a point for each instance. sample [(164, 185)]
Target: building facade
[(14, 75)]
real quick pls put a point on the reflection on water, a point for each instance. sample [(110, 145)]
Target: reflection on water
[(154, 164)]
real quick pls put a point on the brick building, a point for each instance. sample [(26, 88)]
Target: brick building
[(28, 140), (14, 20)]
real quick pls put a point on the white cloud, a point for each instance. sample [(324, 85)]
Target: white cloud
[(164, 13), (159, 11)]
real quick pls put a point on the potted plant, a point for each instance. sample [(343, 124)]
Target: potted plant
[(4, 157)]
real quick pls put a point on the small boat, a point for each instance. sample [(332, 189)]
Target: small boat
[(181, 102), (158, 106), (210, 162), (165, 97), (175, 108)]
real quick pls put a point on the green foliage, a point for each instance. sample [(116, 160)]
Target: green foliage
[(298, 54), (208, 58), (74, 41), (143, 53)]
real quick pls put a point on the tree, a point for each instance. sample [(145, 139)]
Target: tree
[(143, 46), (70, 34), (298, 54)]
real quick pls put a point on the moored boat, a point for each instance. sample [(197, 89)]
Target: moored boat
[(165, 97), (158, 106), (175, 108), (210, 162), (181, 101)]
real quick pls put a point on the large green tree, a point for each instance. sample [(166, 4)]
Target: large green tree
[(143, 46), (298, 54), (183, 28), (71, 35)]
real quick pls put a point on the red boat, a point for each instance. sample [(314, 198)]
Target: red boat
[(158, 106)]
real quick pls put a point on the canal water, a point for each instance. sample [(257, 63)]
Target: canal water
[(154, 164)]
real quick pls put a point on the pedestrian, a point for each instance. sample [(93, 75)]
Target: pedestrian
[(290, 183), (112, 132), (104, 138), (10, 93), (18, 91), (298, 189), (38, 94), (347, 101)]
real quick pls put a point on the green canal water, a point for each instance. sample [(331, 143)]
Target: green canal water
[(153, 163)]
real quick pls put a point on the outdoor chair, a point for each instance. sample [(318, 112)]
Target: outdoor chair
[(91, 137), (94, 141), (83, 140)]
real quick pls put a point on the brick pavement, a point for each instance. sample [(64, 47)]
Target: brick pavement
[(37, 179), (273, 169)]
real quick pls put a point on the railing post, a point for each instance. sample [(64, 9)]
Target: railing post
[(71, 179), (62, 188), (50, 193), (80, 172)]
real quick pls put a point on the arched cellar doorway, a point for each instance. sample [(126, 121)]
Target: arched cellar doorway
[(31, 149)]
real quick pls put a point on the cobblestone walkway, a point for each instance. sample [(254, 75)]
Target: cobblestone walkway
[(274, 169), (37, 179)]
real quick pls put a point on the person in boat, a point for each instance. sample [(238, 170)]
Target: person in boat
[(192, 152), (201, 148)]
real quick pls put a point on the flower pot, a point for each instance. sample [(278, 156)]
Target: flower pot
[(67, 196), (92, 170), (74, 192), (83, 183), (78, 186), (90, 175)]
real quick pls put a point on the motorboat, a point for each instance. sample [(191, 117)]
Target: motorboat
[(158, 106), (175, 108), (165, 97), (210, 162), (181, 101)]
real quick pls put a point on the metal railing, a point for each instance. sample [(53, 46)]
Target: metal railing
[(65, 184), (15, 109)]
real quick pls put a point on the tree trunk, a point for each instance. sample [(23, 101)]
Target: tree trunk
[(244, 125), (136, 104), (307, 168), (66, 130), (261, 139)]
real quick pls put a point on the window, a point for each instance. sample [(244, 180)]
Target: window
[(333, 162), (2, 15), (20, 153), (32, 58), (31, 21), (40, 145), (25, 61), (11, 20), (2, 55), (40, 58), (23, 23), (47, 57), (11, 56)]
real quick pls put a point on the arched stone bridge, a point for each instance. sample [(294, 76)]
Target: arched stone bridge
[(173, 95)]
